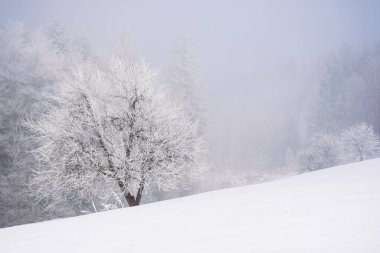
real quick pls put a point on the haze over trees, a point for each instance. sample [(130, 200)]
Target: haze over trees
[(29, 63), (344, 121), (349, 91), (85, 132), (185, 81)]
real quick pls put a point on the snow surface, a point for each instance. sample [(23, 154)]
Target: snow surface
[(332, 210)]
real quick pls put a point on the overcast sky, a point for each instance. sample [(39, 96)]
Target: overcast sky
[(252, 52), (223, 31)]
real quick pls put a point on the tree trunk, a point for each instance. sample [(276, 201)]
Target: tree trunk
[(132, 201)]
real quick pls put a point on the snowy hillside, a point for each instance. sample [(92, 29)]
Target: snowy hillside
[(332, 210)]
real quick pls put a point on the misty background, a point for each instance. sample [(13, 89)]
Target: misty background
[(261, 62)]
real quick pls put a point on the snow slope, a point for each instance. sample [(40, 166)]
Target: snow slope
[(333, 210)]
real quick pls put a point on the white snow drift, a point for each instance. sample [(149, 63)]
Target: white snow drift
[(332, 210)]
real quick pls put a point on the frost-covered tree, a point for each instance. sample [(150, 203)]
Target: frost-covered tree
[(29, 63), (126, 49), (56, 33), (356, 143), (115, 127), (321, 152), (349, 91), (32, 62), (186, 88), (359, 143), (184, 80)]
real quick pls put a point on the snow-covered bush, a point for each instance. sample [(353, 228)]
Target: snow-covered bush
[(321, 152), (358, 143)]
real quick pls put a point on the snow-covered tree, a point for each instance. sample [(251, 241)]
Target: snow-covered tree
[(349, 91), (126, 49), (29, 63), (356, 143), (115, 127), (56, 33), (185, 82), (321, 152), (359, 143)]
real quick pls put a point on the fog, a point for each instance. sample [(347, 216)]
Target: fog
[(260, 61)]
